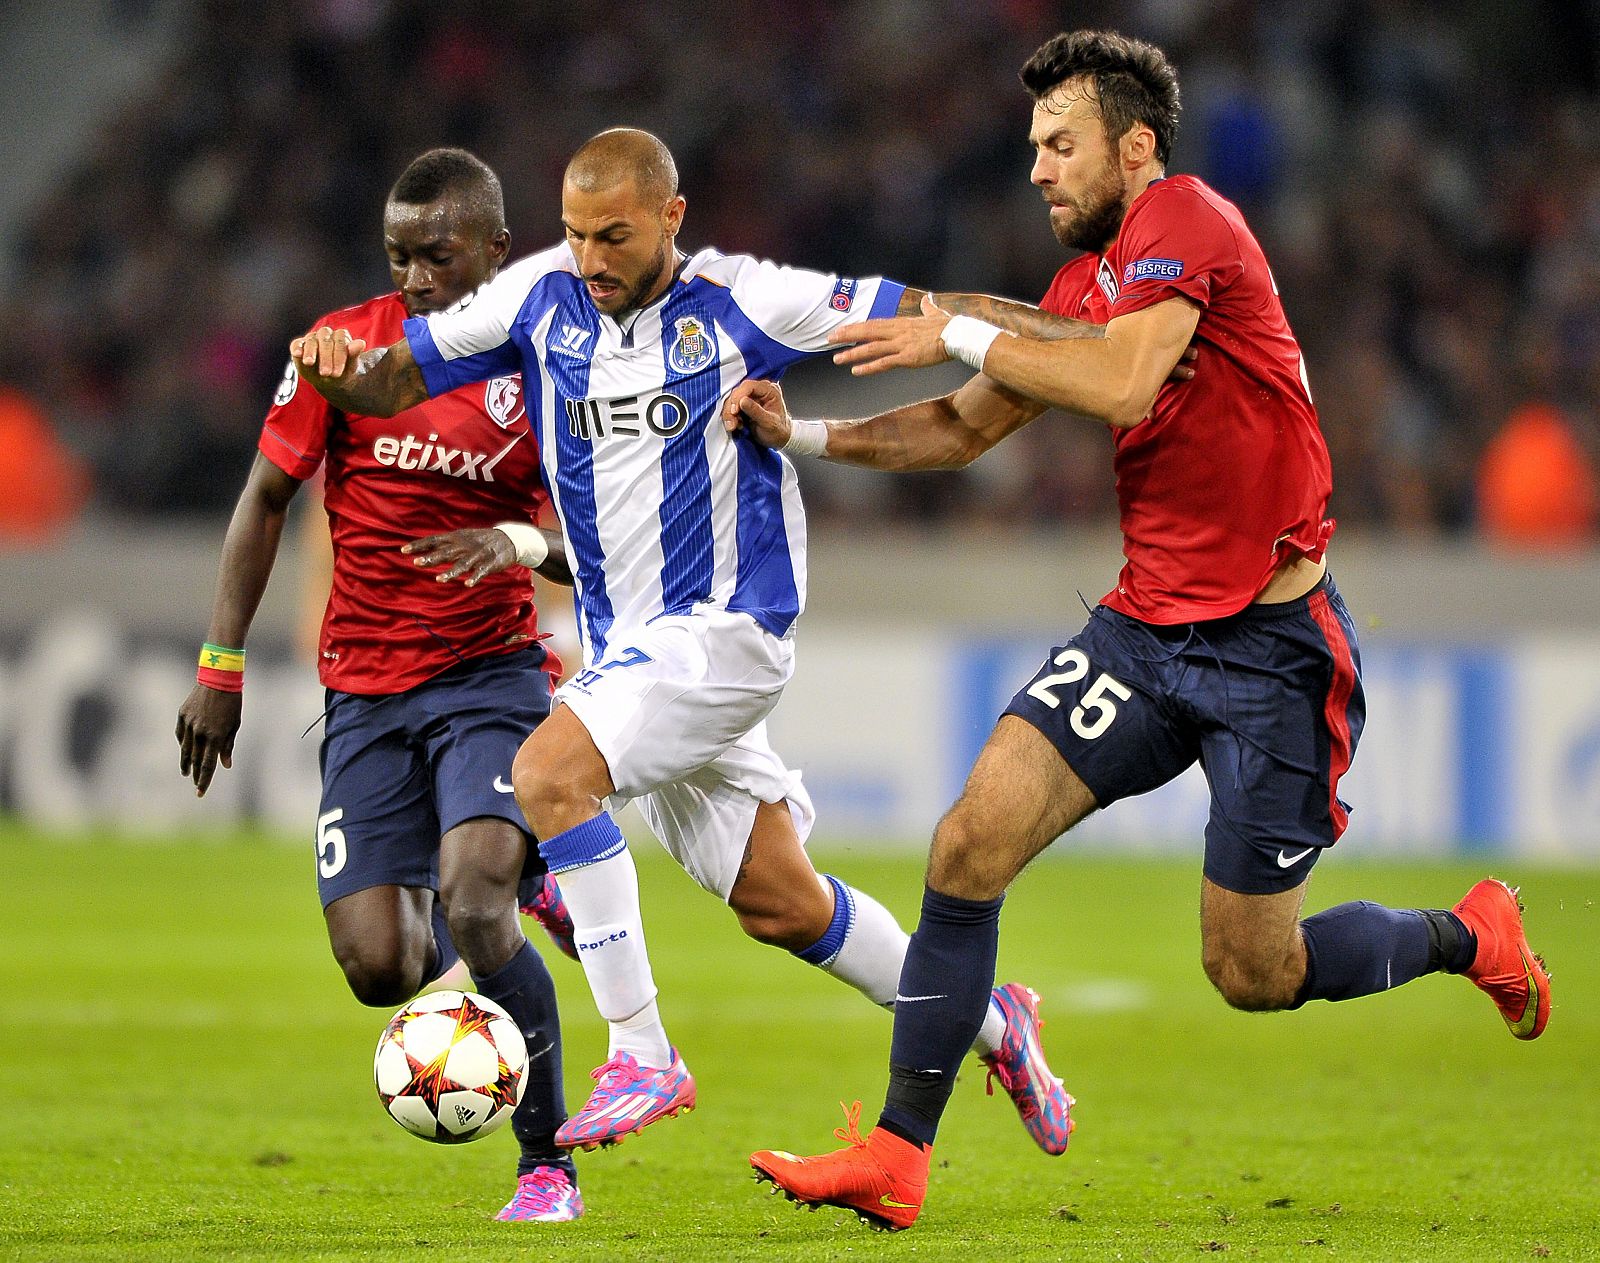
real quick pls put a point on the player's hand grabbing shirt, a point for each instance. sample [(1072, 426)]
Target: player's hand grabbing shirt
[(1229, 475), (662, 509)]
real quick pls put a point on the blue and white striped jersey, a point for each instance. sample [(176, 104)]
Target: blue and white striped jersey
[(661, 508)]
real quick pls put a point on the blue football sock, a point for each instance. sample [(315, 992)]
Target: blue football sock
[(444, 947), (523, 988), (1357, 949), (825, 949), (943, 996)]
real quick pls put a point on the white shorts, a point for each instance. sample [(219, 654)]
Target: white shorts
[(678, 710)]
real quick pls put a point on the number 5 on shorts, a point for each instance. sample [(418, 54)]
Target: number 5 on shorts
[(331, 850), (1095, 702)]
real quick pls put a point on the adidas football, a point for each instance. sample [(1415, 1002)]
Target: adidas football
[(450, 1066)]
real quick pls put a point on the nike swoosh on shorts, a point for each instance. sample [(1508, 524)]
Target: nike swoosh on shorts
[(501, 786), (1284, 861)]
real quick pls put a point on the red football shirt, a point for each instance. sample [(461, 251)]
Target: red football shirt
[(467, 458), (1229, 475)]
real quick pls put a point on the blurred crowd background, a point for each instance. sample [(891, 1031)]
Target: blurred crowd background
[(1424, 178)]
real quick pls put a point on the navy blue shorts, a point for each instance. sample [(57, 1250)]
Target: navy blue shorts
[(401, 770), (1268, 701)]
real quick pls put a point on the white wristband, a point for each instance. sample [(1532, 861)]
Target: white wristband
[(529, 541), (968, 340), (807, 438)]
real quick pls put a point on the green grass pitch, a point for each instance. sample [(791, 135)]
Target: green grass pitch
[(183, 1076)]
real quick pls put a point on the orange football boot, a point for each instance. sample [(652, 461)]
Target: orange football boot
[(1506, 969), (882, 1178)]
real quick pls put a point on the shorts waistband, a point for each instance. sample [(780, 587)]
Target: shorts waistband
[(1274, 612), (1285, 609)]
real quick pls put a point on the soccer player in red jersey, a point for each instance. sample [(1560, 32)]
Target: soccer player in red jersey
[(432, 686), (1223, 642)]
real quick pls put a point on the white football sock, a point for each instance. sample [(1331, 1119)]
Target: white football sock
[(870, 958), (873, 950), (643, 1038), (603, 899), (992, 1032)]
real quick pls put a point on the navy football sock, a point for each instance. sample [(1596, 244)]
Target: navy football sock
[(523, 988), (1357, 949), (444, 947), (943, 995)]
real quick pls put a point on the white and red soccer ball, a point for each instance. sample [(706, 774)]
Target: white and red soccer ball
[(450, 1067)]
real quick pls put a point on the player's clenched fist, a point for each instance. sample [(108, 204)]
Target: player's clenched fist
[(757, 407), (326, 354)]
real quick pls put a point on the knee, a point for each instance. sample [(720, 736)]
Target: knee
[(546, 786), (474, 923), (1251, 984), (960, 865), (381, 982)]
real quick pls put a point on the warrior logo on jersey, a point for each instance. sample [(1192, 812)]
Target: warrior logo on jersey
[(693, 348), (502, 398), (571, 341), (287, 387), (1108, 281)]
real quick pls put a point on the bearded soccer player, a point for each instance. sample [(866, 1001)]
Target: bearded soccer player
[(1224, 641), (688, 551), (432, 687)]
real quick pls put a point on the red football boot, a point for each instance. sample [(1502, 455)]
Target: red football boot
[(882, 1178), (1506, 969)]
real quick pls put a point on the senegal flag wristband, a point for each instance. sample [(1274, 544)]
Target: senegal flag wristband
[(221, 668)]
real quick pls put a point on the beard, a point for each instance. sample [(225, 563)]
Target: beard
[(635, 296), (1097, 216)]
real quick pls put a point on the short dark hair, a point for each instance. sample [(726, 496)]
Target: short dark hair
[(1133, 80), (438, 172)]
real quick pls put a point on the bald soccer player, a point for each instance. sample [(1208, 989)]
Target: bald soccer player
[(687, 546)]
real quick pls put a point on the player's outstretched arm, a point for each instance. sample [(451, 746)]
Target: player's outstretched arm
[(946, 433), (471, 553), (370, 383), (921, 332), (1112, 378), (1022, 319), (209, 718), (913, 336)]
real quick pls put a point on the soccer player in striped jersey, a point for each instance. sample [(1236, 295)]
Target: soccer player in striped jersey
[(687, 546), (1224, 641)]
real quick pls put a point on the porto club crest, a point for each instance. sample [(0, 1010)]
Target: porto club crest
[(693, 348)]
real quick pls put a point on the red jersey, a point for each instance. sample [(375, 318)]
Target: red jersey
[(466, 458), (1228, 476)]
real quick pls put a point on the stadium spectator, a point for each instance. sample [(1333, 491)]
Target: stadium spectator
[(45, 482), (1536, 485)]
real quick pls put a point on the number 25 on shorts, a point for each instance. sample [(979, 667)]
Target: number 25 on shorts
[(1095, 703)]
